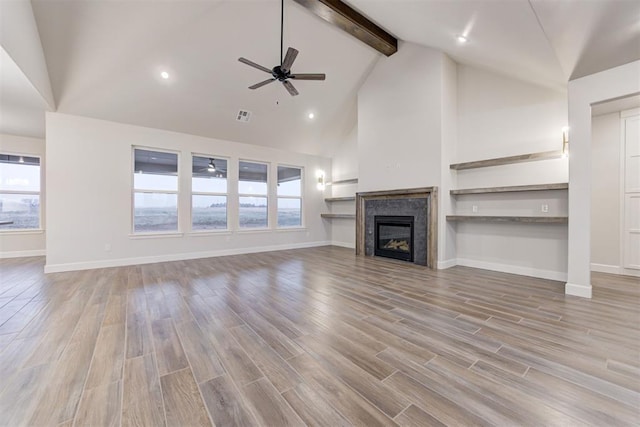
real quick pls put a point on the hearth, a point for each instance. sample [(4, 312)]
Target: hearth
[(394, 237)]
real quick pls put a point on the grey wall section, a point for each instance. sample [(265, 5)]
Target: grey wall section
[(605, 190), (416, 207)]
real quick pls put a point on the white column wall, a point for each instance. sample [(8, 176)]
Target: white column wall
[(400, 120), (583, 92)]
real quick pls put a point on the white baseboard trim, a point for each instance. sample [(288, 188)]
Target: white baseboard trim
[(447, 263), (88, 265), (605, 268), (344, 244), (583, 291), (22, 254), (514, 269), (614, 269)]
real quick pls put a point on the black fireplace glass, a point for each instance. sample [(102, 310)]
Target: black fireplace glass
[(394, 237)]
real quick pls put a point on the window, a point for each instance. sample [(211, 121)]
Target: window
[(252, 192), (208, 193), (289, 196), (19, 192), (155, 191)]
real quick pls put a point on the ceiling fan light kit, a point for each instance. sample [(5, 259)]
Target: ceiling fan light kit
[(282, 72)]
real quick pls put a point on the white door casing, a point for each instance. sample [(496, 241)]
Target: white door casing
[(631, 189)]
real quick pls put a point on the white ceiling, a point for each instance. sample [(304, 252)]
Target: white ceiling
[(21, 106), (104, 58)]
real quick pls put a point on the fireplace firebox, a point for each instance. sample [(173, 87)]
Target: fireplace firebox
[(394, 237)]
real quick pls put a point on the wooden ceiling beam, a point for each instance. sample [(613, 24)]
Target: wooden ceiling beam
[(353, 22)]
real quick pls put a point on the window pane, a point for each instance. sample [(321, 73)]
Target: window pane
[(289, 181), (252, 178), (155, 170), (155, 212), (19, 211), (209, 175), (253, 212), (289, 212), (208, 212), (19, 173)]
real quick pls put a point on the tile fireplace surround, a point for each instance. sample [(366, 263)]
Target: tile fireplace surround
[(422, 203)]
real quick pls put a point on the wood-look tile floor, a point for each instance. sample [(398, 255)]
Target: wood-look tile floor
[(317, 337)]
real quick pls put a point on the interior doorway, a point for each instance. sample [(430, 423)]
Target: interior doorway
[(615, 186)]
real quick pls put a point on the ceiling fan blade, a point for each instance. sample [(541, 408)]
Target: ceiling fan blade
[(308, 76), (254, 65), (288, 59), (292, 90), (257, 85)]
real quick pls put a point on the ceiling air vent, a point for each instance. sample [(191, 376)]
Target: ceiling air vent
[(243, 116)]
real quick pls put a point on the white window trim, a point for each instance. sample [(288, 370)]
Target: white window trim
[(302, 225), (207, 193), (266, 196), (143, 234), (40, 195)]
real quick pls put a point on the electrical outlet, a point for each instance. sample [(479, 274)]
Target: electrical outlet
[(107, 247), (545, 208), (474, 208)]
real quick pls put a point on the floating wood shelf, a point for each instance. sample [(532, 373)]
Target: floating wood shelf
[(340, 199), (531, 157), (343, 216), (511, 189), (522, 219), (344, 181)]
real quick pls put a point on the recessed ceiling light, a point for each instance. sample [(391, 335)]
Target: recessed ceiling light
[(311, 115), (164, 75), (461, 39)]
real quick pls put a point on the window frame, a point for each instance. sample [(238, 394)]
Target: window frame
[(39, 193), (207, 193), (134, 191), (267, 196), (301, 197)]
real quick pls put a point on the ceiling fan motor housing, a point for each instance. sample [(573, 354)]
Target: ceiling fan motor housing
[(279, 74)]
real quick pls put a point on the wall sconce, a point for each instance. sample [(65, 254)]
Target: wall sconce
[(320, 180), (565, 142)]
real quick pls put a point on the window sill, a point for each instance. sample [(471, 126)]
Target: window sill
[(24, 231), (154, 235), (284, 229), (254, 230), (209, 233)]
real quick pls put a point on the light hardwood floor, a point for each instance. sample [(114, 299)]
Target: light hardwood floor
[(317, 337)]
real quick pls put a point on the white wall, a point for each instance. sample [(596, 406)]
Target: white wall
[(499, 116), (344, 165), (399, 121), (89, 174), (448, 180), (583, 92), (605, 191), (24, 243)]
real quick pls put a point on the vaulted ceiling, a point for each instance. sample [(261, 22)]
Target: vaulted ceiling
[(104, 59)]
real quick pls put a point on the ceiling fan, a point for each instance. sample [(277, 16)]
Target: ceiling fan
[(212, 167), (282, 72)]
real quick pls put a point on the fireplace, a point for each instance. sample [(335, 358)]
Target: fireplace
[(394, 237), (421, 204)]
